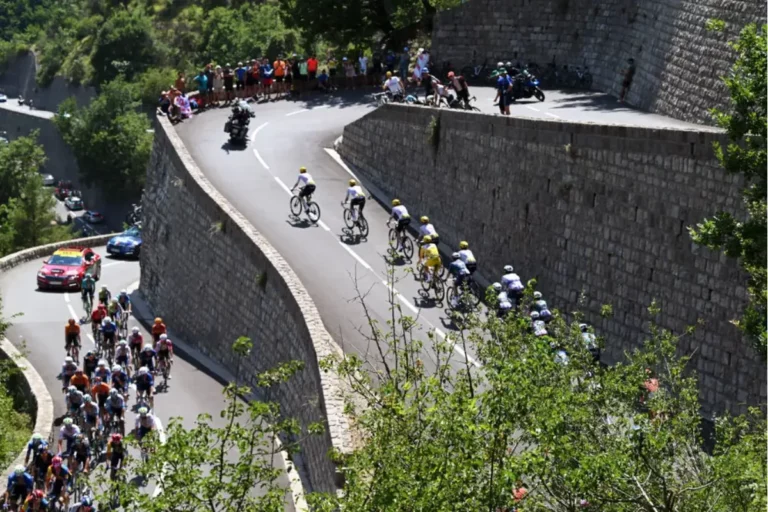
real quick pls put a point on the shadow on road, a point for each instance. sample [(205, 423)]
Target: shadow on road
[(228, 146), (595, 102)]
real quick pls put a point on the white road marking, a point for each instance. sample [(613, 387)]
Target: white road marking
[(552, 115), (257, 130), (297, 112), (112, 264), (90, 337), (323, 225), (72, 311), (261, 160), (354, 255), (532, 108), (459, 350), (407, 304), (132, 287), (66, 297), (283, 185), (335, 155)]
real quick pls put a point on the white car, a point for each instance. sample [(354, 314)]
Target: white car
[(48, 180), (3, 98)]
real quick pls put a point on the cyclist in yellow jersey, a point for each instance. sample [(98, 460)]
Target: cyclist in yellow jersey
[(429, 254)]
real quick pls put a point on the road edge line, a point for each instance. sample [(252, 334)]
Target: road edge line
[(44, 416)]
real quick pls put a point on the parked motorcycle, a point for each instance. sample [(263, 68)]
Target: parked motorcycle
[(525, 86)]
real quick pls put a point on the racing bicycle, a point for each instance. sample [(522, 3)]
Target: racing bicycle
[(312, 209), (435, 284), (74, 349), (465, 297), (122, 323), (400, 243), (87, 304), (352, 222)]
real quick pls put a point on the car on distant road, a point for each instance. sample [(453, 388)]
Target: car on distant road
[(3, 98), (73, 203), (63, 189), (93, 217), (67, 266), (127, 243), (48, 180)]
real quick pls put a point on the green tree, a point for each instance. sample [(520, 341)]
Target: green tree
[(124, 45), (745, 154), (110, 139), (217, 469), (19, 159)]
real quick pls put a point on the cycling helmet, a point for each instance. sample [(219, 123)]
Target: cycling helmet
[(143, 411), (117, 438), (113, 392), (97, 379), (424, 219), (117, 368), (427, 239), (302, 170), (89, 353), (38, 494), (497, 287), (87, 501), (395, 202), (424, 71), (71, 321), (451, 74), (147, 348), (508, 64), (534, 315), (102, 362), (79, 370), (158, 320), (163, 337), (122, 343), (509, 268), (87, 399), (68, 360), (108, 321), (123, 292), (43, 447), (583, 327), (37, 436), (537, 295), (135, 330), (18, 470), (389, 74), (67, 422), (500, 65), (104, 289), (114, 300), (71, 389), (79, 438), (463, 245), (143, 370), (455, 255), (56, 462)]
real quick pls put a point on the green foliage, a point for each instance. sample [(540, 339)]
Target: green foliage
[(217, 464), (124, 45), (745, 154), (442, 434), (109, 137), (153, 81), (19, 160)]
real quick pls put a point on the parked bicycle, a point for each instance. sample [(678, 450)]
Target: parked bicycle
[(311, 208)]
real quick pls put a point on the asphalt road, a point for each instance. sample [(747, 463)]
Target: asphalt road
[(39, 332)]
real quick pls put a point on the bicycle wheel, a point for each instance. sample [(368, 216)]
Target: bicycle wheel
[(75, 353), (425, 285), (295, 206), (348, 220), (363, 224), (451, 295), (393, 238), (439, 287), (313, 212), (407, 247)]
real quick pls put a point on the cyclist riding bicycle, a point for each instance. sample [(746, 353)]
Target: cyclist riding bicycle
[(467, 257), (35, 502), (115, 453), (144, 383), (355, 197), (145, 423), (537, 325), (164, 350), (120, 379), (512, 284), (427, 229), (100, 392), (20, 484), (90, 412), (73, 399), (109, 332), (87, 287), (42, 461), (68, 369), (57, 481), (124, 300), (590, 342), (504, 305), (540, 306), (67, 434), (147, 357), (458, 269), (123, 356), (430, 256), (115, 405), (81, 381), (90, 362), (104, 295), (71, 335), (114, 310), (308, 186), (34, 442), (102, 371), (81, 453), (402, 217), (86, 505), (158, 328)]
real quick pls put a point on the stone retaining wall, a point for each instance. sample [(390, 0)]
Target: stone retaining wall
[(679, 62), (211, 275), (602, 210)]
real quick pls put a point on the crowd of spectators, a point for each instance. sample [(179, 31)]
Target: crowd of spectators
[(293, 76)]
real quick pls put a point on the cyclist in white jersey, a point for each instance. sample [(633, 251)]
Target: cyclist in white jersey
[(308, 186), (394, 85), (427, 229), (402, 217), (355, 197), (467, 257), (512, 283)]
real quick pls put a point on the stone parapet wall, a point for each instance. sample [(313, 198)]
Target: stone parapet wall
[(214, 278), (583, 208), (679, 62)]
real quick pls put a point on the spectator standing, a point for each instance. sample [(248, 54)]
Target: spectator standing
[(629, 75), (229, 83), (332, 66), (312, 67), (290, 80), (405, 61), (362, 61), (376, 69), (202, 88), (296, 71), (180, 84), (266, 72), (303, 70), (250, 84), (279, 72), (240, 75), (349, 73), (210, 96), (218, 84), (504, 92), (322, 81)]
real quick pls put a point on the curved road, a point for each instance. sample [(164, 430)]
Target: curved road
[(286, 135), (39, 332)]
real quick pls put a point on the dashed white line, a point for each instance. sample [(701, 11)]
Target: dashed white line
[(552, 115), (323, 225), (111, 264), (257, 130), (261, 160), (355, 255), (72, 311), (90, 337), (408, 304), (66, 297), (532, 108), (297, 112), (283, 185)]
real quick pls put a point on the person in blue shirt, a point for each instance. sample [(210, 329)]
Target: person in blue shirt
[(322, 81), (458, 269), (124, 300), (504, 92), (240, 73), (109, 332), (540, 306), (202, 87), (266, 71), (32, 446), (20, 484)]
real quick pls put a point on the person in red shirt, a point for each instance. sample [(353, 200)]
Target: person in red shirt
[(158, 328), (98, 314), (312, 67)]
